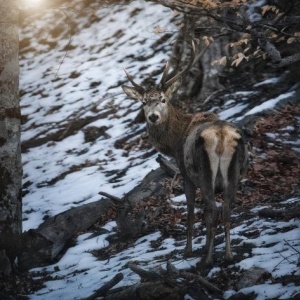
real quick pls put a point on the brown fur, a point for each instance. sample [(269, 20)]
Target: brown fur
[(169, 136)]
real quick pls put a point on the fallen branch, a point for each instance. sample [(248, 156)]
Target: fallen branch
[(201, 280), (290, 245), (131, 214), (114, 199), (170, 168), (170, 284), (145, 275)]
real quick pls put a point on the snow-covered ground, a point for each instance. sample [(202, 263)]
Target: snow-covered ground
[(78, 273), (61, 89), (50, 105)]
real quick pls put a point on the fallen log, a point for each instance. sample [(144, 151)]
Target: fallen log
[(288, 213), (43, 245), (131, 214)]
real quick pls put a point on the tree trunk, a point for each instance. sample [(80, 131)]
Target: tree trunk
[(211, 74), (10, 151), (203, 79)]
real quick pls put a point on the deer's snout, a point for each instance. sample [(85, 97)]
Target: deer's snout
[(153, 117)]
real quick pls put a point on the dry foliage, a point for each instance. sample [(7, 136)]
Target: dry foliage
[(274, 174), (265, 36)]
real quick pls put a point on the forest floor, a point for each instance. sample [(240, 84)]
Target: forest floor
[(79, 138), (267, 205)]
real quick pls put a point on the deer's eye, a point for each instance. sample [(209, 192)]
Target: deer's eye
[(163, 100)]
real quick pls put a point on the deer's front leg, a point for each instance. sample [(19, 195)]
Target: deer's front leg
[(190, 192)]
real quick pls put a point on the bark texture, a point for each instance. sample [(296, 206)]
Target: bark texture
[(211, 74), (10, 151)]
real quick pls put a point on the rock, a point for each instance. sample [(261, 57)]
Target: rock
[(92, 133), (251, 277)]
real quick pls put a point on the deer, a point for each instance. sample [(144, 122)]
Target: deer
[(211, 154)]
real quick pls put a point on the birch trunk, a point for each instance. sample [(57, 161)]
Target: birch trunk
[(10, 152)]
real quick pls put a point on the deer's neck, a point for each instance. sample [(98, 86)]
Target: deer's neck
[(169, 136)]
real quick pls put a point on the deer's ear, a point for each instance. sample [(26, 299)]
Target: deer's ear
[(173, 88), (132, 93)]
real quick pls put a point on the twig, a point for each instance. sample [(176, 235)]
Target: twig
[(173, 180), (286, 258), (289, 244), (199, 55), (67, 47)]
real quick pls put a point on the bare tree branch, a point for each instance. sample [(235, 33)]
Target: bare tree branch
[(270, 49), (289, 60)]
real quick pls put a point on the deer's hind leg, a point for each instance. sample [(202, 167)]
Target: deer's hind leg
[(231, 178), (210, 215), (209, 169)]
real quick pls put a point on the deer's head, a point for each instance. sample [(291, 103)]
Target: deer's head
[(156, 100)]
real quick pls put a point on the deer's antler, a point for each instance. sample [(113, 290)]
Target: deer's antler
[(164, 82), (137, 86)]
